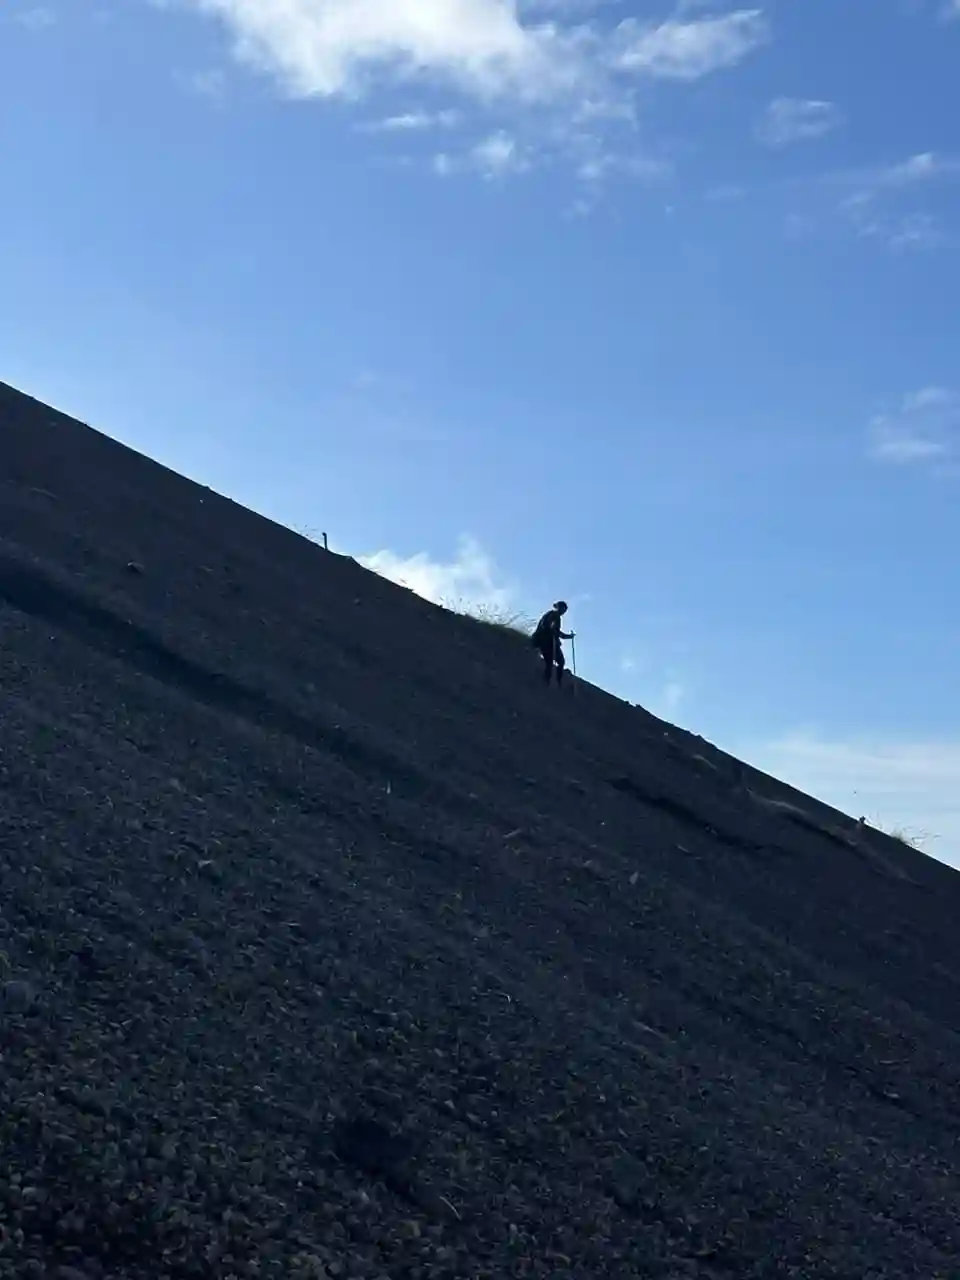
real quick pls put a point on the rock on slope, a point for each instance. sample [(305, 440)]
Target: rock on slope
[(316, 963)]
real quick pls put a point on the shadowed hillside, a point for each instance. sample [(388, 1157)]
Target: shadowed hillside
[(333, 945)]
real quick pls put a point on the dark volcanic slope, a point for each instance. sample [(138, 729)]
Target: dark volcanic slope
[(317, 962)]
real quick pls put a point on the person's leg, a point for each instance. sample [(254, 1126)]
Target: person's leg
[(561, 665), (547, 656)]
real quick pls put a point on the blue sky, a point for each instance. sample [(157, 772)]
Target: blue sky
[(649, 305)]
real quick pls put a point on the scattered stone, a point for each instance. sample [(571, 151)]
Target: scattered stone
[(384, 1100), (626, 1184), (431, 1202), (370, 1146), (82, 1099), (19, 996)]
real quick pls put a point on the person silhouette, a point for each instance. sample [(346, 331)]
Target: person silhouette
[(546, 640)]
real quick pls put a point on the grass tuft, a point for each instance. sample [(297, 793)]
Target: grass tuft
[(496, 616), (919, 840), (915, 840)]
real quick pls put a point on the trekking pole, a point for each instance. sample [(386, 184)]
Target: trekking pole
[(573, 660)]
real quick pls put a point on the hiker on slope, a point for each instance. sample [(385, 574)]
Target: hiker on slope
[(547, 639)]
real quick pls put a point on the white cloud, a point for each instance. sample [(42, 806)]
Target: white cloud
[(896, 442), (210, 84), (471, 580), (668, 700), (642, 677), (496, 156), (539, 70), (931, 397), (874, 198), (868, 183), (922, 429), (913, 786), (788, 120), (872, 220), (917, 231), (596, 165), (725, 193), (567, 8), (925, 166), (677, 50), (38, 18), (414, 121), (326, 48)]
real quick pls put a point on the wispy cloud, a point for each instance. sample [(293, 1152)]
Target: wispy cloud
[(645, 678), (900, 443), (871, 200), (950, 11), (913, 230), (544, 71), (210, 84), (330, 47), (923, 428), (689, 50), (925, 166), (905, 784), (414, 122), (596, 165), (789, 120), (563, 8), (494, 156), (669, 699), (471, 580), (36, 18), (931, 398), (726, 193), (918, 171)]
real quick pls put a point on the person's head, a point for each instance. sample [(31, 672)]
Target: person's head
[(561, 606)]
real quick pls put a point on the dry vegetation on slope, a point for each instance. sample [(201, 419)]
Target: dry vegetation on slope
[(333, 945)]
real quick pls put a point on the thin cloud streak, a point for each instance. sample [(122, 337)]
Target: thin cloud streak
[(923, 429), (495, 156), (413, 122), (679, 50), (38, 18), (791, 120), (897, 443)]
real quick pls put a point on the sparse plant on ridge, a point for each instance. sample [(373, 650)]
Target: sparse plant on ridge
[(919, 840), (916, 840), (500, 617)]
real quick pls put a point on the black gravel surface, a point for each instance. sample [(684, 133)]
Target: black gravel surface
[(333, 945)]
